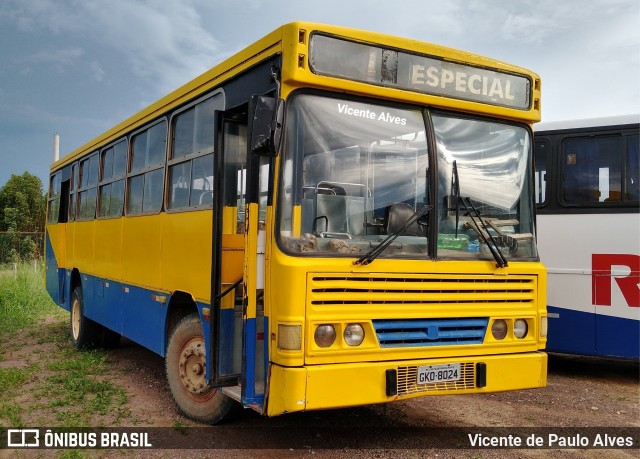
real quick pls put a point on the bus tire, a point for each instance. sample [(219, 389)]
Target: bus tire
[(185, 366), (84, 332)]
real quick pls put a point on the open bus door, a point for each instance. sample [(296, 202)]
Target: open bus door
[(237, 330)]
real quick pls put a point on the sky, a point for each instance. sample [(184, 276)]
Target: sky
[(78, 67)]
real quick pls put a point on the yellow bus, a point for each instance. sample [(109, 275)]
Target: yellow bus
[(329, 218)]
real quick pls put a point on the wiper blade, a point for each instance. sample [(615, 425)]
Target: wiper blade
[(501, 261), (386, 242), (455, 191)]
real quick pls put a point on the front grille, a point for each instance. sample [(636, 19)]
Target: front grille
[(430, 332), (408, 381), (413, 289)]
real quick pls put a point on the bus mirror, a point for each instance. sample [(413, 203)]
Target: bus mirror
[(266, 125)]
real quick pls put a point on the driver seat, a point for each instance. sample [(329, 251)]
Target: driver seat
[(396, 215)]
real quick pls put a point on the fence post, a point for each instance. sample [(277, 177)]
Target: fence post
[(15, 270)]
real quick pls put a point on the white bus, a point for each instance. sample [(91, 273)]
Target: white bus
[(587, 196)]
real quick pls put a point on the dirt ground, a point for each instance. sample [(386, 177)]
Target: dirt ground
[(587, 393)]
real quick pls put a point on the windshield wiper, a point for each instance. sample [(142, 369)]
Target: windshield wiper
[(483, 231), (455, 192), (501, 261), (386, 242)]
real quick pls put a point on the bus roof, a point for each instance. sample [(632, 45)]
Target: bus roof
[(605, 121)]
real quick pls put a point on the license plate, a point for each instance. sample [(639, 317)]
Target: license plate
[(439, 373)]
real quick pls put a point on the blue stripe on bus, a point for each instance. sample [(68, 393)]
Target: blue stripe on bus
[(131, 311), (576, 332), (138, 313)]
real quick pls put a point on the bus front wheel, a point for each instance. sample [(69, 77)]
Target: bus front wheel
[(186, 374), (84, 331)]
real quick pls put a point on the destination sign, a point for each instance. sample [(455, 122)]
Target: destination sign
[(426, 74)]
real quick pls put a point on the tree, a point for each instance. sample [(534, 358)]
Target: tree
[(22, 213)]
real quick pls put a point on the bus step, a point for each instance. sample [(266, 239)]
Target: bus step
[(234, 392)]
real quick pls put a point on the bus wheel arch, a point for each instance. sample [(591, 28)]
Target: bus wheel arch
[(181, 305), (185, 364)]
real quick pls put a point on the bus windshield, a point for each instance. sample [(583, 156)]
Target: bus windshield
[(354, 173)]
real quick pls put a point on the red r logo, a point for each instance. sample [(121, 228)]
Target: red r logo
[(601, 278)]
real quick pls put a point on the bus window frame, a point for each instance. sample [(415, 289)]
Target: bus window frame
[(556, 137), (112, 179), (55, 191), (548, 179), (73, 192), (82, 188), (562, 167), (142, 171), (188, 159)]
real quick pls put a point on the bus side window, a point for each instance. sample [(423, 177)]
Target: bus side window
[(54, 198), (191, 155), (541, 151), (87, 188), (73, 192), (113, 168), (632, 179), (146, 174), (592, 169)]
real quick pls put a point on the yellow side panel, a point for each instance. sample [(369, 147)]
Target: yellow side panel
[(69, 245), (186, 253), (55, 232), (141, 250), (83, 247), (108, 248)]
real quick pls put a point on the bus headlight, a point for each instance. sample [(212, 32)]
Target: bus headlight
[(353, 334), (499, 329), (520, 328), (325, 335)]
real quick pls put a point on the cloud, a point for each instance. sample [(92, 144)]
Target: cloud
[(59, 57), (163, 42), (97, 71)]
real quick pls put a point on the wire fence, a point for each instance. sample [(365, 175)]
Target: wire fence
[(20, 246)]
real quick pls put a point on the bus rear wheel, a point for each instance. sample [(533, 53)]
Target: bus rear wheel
[(185, 364), (84, 332)]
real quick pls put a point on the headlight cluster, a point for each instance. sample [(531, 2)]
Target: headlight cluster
[(500, 328), (325, 335)]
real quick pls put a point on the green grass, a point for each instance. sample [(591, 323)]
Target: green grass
[(69, 388), (75, 382), (23, 299), (11, 378), (12, 413)]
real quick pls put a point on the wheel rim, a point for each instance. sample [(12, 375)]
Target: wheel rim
[(192, 367), (75, 318)]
